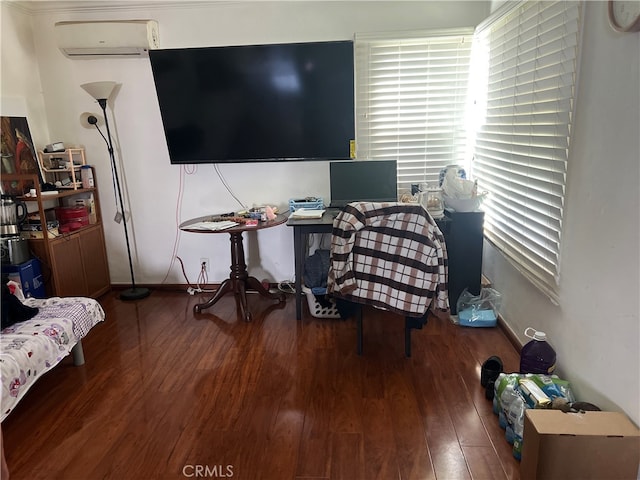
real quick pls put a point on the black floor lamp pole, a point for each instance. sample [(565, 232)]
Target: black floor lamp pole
[(133, 293)]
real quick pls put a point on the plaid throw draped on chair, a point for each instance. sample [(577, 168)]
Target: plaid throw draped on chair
[(389, 255)]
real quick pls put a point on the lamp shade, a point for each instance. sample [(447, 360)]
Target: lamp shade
[(99, 90), (84, 120)]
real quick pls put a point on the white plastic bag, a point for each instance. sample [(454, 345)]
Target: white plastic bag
[(455, 187), (479, 310)]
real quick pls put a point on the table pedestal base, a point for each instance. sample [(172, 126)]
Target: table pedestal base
[(239, 282)]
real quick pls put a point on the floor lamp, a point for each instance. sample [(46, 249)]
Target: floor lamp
[(101, 91)]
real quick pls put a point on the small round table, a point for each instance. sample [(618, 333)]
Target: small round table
[(239, 281)]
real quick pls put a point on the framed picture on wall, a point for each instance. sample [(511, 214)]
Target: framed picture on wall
[(18, 154)]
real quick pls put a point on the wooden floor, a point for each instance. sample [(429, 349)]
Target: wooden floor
[(166, 394)]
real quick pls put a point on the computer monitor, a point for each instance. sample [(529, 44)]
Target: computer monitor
[(363, 181)]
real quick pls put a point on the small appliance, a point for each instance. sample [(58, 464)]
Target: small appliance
[(12, 213), (13, 249)]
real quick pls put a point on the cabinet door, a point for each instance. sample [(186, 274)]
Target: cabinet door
[(66, 266), (94, 261)]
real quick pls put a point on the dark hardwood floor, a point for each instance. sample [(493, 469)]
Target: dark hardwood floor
[(166, 394)]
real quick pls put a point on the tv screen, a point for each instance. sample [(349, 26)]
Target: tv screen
[(256, 102)]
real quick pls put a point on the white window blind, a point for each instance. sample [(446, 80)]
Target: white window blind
[(411, 96), (524, 129)]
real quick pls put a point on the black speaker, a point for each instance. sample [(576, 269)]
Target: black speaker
[(463, 236)]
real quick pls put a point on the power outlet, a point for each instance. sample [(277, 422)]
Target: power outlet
[(204, 261)]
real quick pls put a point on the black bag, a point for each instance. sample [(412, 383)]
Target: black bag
[(316, 269)]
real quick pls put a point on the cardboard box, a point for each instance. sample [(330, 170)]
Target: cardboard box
[(590, 445)]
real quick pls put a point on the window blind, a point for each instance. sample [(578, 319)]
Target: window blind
[(524, 129), (411, 96)]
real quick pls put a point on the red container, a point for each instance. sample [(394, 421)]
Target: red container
[(72, 218)]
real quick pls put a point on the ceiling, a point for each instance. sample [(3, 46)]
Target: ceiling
[(44, 6)]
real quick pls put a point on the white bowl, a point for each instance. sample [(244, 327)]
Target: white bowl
[(464, 204)]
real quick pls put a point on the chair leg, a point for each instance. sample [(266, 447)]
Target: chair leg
[(409, 323), (359, 323)]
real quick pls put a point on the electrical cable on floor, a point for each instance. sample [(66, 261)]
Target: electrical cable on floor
[(203, 279), (184, 273), (191, 289), (287, 287)]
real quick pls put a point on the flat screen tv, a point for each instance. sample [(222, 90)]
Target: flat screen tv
[(256, 103)]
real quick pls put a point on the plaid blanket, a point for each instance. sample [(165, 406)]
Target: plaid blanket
[(390, 255)]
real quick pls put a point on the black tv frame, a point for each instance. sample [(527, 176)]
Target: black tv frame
[(257, 103)]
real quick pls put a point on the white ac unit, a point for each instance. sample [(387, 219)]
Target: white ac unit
[(129, 38)]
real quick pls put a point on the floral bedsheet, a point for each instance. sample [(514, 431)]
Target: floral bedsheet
[(32, 348)]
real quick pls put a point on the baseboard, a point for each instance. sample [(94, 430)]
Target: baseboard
[(511, 336), (175, 286), (485, 282)]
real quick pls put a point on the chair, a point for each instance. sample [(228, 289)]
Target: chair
[(391, 256)]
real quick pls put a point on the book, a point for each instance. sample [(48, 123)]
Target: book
[(307, 213), (212, 226)]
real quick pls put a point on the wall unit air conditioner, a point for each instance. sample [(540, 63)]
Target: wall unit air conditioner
[(91, 39)]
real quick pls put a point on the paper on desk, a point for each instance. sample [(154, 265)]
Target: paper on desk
[(307, 213), (213, 226)]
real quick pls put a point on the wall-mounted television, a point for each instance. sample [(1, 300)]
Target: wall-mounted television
[(256, 103)]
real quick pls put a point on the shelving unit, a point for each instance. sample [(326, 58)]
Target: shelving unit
[(75, 263), (63, 167)]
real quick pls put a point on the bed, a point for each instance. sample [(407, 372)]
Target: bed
[(31, 348)]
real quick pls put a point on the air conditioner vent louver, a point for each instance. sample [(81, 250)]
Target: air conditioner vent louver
[(91, 39)]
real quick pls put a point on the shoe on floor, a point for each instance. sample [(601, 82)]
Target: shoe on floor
[(489, 391), (491, 368)]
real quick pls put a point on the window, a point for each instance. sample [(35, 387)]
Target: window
[(411, 98), (523, 131), (431, 99)]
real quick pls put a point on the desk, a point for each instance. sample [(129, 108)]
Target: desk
[(301, 230), (463, 234), (239, 280)]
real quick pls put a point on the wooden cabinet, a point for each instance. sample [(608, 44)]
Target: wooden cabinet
[(79, 264), (73, 263)]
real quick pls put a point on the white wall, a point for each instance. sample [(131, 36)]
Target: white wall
[(595, 329), (20, 90)]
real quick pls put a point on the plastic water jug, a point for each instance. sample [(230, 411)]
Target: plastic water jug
[(537, 356), (86, 174)]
